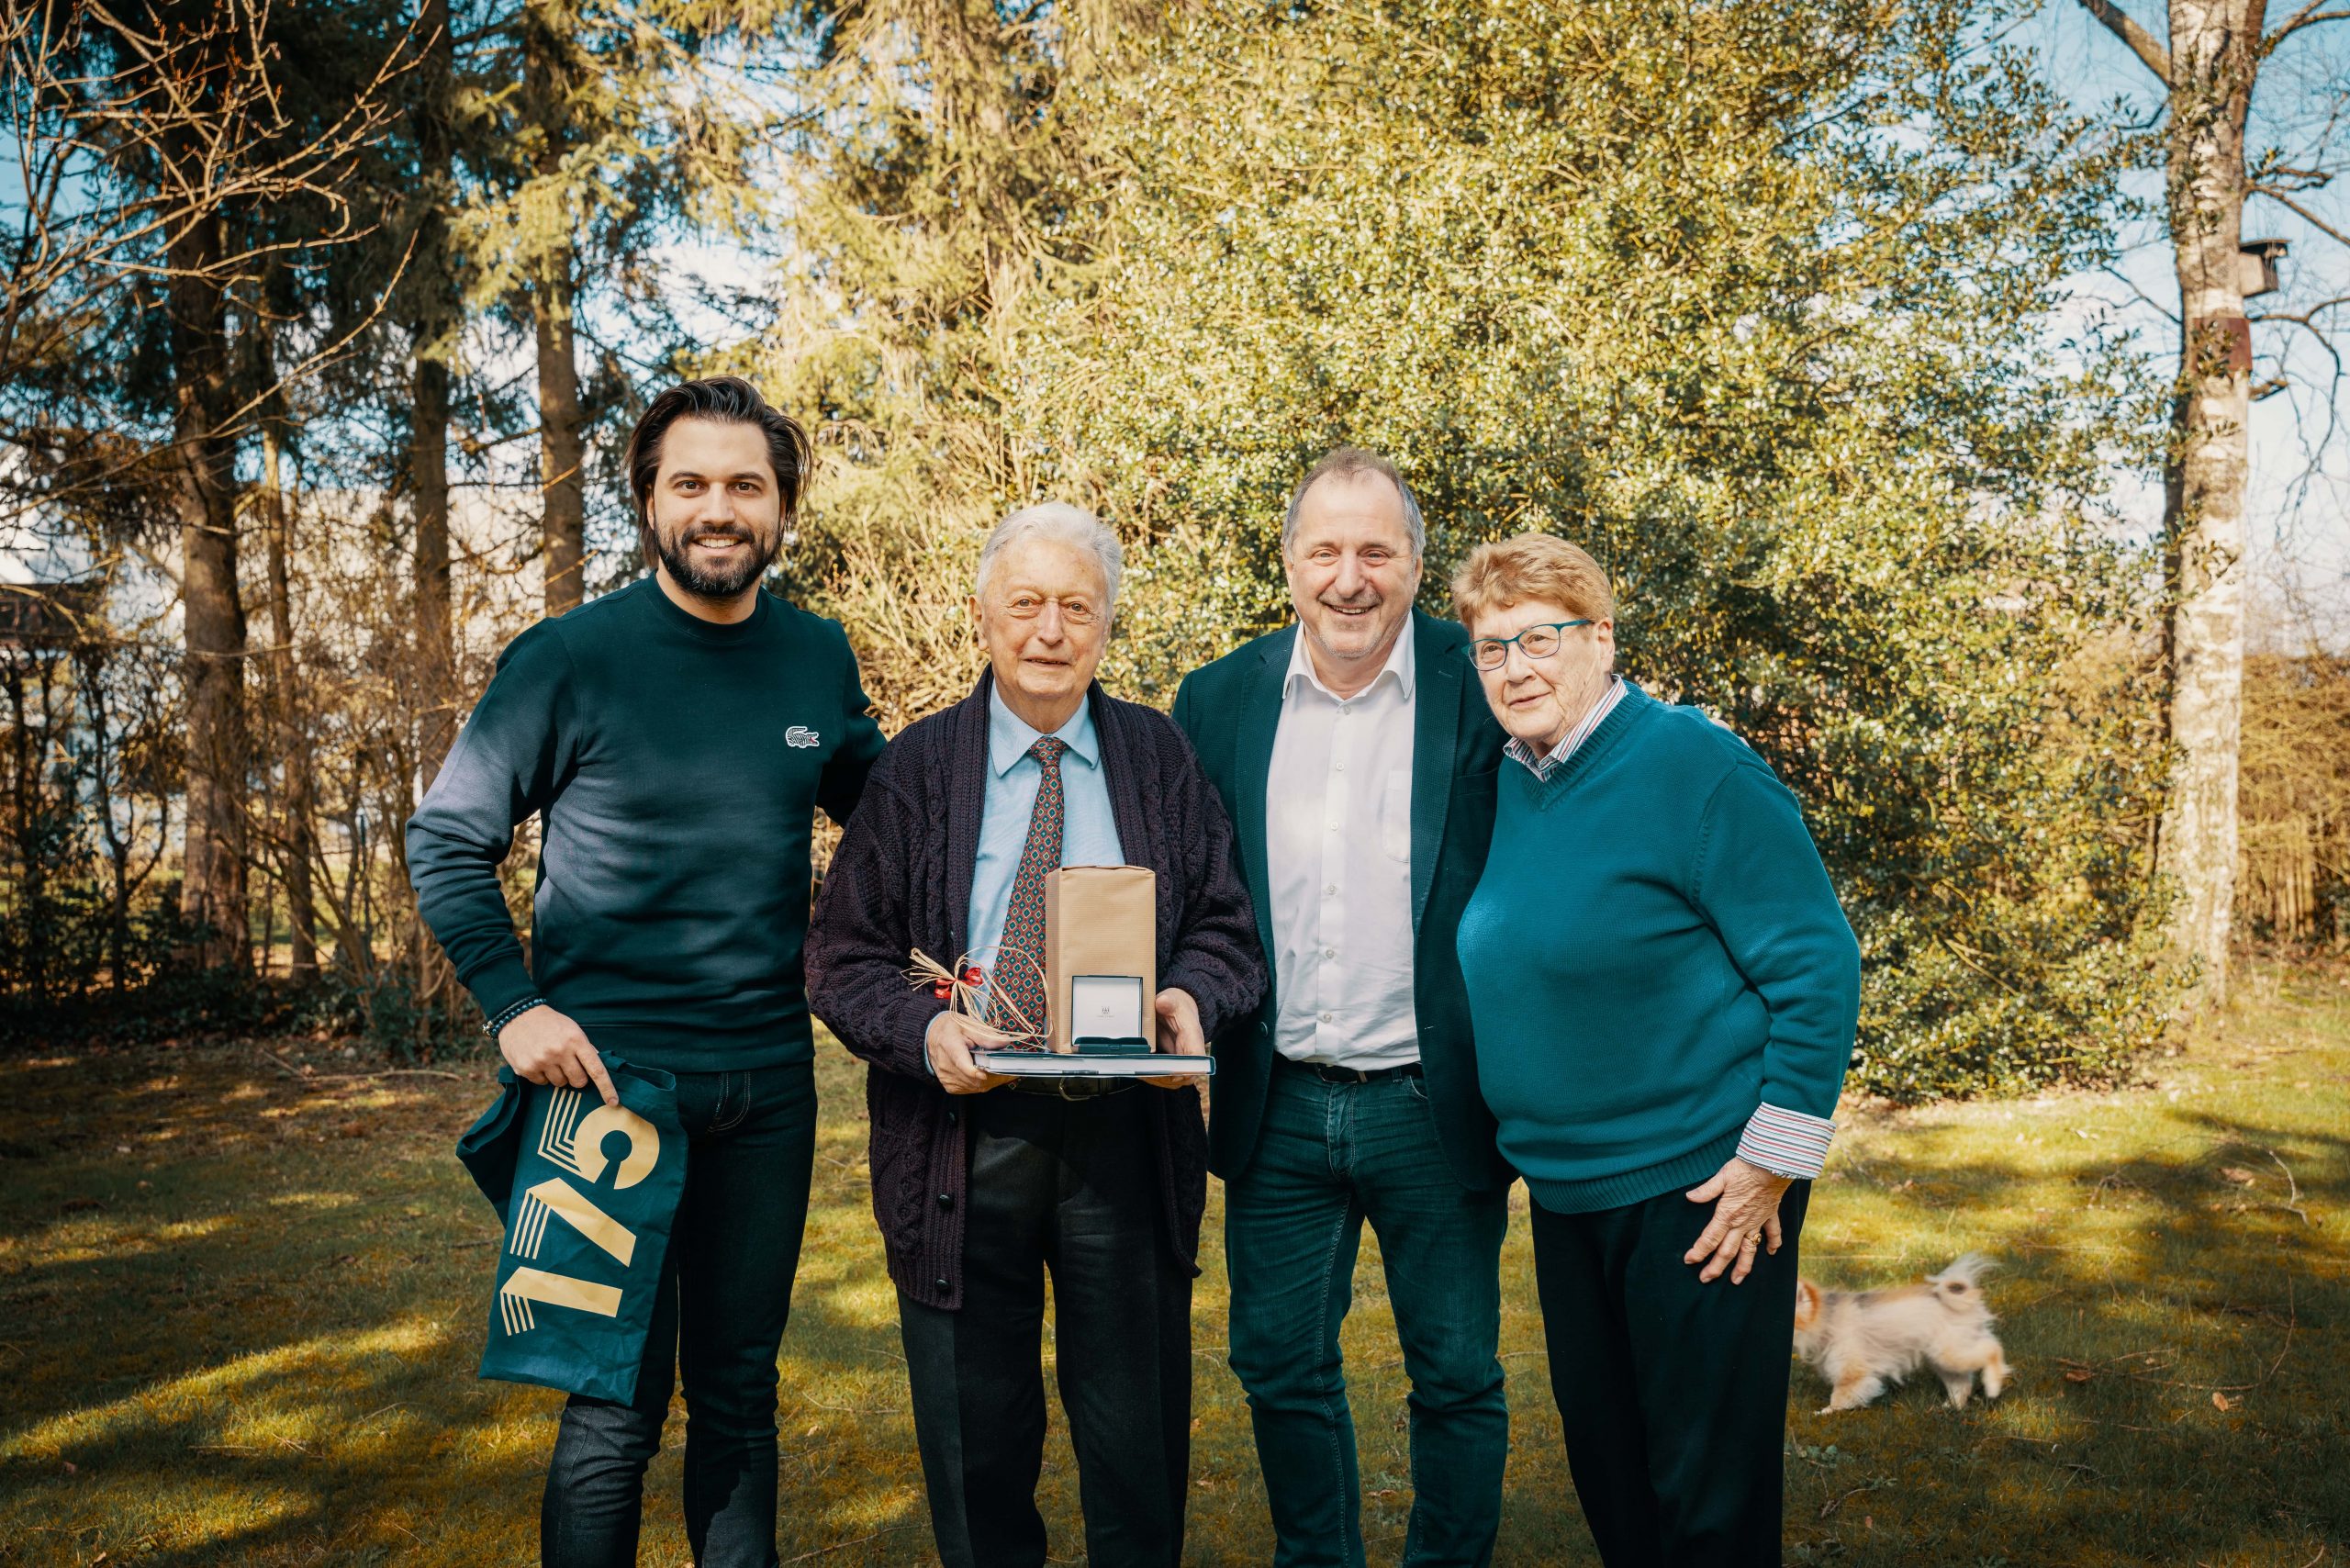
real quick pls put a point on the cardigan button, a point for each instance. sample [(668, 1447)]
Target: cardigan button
[(950, 1115), (940, 1282), (946, 1200)]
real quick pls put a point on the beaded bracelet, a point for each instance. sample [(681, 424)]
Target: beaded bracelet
[(495, 1025)]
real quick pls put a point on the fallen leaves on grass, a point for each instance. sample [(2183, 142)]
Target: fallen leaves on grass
[(2135, 1364), (1877, 1484)]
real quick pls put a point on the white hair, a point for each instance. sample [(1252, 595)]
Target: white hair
[(1068, 525)]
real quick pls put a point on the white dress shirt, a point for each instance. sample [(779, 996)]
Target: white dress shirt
[(1338, 865)]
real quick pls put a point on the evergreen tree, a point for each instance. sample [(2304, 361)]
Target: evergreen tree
[(608, 128), (183, 155), (1756, 301), (941, 200)]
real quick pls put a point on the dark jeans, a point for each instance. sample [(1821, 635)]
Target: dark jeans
[(725, 1293), (1673, 1394), (1329, 1156), (1071, 1186)]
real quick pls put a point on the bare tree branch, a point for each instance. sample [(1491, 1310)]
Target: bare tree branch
[(2148, 300), (2308, 16), (2303, 213), (2142, 43), (2303, 317), (2276, 176)]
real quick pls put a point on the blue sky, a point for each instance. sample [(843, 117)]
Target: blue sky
[(2299, 499), (2300, 519)]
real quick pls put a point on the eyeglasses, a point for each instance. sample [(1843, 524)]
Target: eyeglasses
[(1539, 643), (1028, 606)]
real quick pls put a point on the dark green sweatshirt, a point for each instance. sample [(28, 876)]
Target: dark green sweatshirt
[(676, 766)]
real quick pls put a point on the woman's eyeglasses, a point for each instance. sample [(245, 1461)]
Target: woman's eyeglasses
[(1539, 643)]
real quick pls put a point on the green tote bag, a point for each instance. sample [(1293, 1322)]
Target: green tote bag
[(587, 1192)]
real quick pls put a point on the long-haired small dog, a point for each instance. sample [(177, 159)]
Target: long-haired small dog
[(1863, 1340)]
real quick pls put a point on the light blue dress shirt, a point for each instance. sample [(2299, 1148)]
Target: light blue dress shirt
[(1089, 830)]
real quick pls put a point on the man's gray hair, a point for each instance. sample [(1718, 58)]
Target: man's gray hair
[(1056, 521), (1347, 461)]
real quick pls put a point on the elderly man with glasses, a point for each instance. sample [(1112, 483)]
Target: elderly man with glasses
[(983, 1184)]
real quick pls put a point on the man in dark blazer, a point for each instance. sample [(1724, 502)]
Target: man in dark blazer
[(1356, 755), (982, 1183)]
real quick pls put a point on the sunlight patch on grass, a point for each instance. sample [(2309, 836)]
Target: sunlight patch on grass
[(864, 1302), (258, 1399), (252, 1347), (100, 1242), (313, 1200)]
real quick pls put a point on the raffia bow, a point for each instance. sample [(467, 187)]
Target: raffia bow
[(962, 995)]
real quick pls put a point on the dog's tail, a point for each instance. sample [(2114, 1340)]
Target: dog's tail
[(1960, 1284)]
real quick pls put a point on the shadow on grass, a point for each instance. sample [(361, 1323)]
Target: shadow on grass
[(2176, 1314), (244, 1331), (239, 1313)]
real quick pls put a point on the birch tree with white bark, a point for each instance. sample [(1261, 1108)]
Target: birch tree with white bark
[(2208, 66)]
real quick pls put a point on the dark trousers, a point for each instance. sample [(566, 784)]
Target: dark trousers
[(1071, 1186), (1673, 1394), (725, 1293), (1331, 1155)]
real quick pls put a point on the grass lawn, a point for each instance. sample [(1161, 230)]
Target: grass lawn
[(239, 1310)]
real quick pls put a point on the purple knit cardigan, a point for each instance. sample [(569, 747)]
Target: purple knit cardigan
[(902, 879)]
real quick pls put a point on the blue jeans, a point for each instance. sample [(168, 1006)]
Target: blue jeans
[(1330, 1155), (726, 1293)]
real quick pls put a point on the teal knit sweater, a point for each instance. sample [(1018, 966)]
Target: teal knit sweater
[(1654, 951)]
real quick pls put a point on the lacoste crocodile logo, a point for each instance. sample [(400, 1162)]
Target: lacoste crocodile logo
[(800, 737)]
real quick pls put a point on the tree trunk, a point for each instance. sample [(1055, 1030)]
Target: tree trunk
[(562, 474), (32, 889), (560, 454), (2213, 58), (102, 738), (435, 331), (213, 863), (292, 727)]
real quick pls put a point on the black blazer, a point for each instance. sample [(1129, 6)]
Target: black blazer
[(1230, 709), (902, 880)]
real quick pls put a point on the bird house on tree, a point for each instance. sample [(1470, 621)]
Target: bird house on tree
[(2256, 266)]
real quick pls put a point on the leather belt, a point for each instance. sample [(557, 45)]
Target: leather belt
[(1331, 1072), (1070, 1088)]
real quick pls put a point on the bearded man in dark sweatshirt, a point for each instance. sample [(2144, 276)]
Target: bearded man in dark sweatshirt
[(675, 738)]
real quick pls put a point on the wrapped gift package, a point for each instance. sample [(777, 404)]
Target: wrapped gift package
[(1101, 958)]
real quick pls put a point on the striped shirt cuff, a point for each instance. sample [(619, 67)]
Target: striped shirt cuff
[(1786, 1143)]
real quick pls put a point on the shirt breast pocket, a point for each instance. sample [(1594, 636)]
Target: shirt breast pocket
[(1395, 817)]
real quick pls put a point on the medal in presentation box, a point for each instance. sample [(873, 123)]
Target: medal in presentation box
[(1101, 978)]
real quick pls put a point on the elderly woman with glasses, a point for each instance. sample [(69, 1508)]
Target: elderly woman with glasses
[(1663, 993)]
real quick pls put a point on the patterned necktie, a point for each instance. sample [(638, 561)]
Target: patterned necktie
[(1021, 984)]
